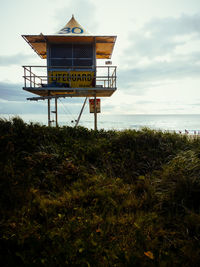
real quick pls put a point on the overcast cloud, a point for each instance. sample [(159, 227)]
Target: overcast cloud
[(157, 51), (16, 59), (13, 101), (161, 37), (12, 92)]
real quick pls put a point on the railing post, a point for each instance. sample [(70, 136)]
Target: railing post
[(25, 77), (34, 80), (30, 77), (108, 76), (111, 82)]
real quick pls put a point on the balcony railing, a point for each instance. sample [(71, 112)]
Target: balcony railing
[(104, 76)]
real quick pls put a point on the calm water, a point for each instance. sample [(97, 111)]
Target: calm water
[(120, 122)]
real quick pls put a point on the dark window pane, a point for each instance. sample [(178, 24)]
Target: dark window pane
[(61, 62), (61, 51), (82, 62), (83, 51)]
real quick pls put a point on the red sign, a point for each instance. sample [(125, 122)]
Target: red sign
[(92, 107)]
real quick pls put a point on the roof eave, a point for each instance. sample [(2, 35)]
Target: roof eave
[(45, 39)]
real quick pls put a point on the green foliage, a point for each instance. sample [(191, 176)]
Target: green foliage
[(178, 183), (78, 197)]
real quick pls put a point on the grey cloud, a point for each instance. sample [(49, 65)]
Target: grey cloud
[(39, 107), (140, 79), (108, 107), (10, 91), (21, 107), (185, 24), (194, 104), (161, 36), (16, 59), (13, 101), (159, 71), (145, 102), (14, 92)]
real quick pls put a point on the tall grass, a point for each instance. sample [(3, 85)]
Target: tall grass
[(78, 197)]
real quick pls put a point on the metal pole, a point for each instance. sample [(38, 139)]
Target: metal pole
[(30, 77), (95, 113), (77, 122), (108, 77), (49, 115), (25, 76), (56, 110)]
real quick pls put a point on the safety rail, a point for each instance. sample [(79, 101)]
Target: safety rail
[(105, 76)]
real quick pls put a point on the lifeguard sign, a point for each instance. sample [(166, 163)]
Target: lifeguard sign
[(71, 69), (71, 79)]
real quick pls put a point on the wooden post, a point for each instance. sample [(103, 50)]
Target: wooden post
[(49, 115), (95, 113), (56, 111)]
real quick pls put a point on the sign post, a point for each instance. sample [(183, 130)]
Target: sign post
[(95, 113), (49, 116), (56, 111)]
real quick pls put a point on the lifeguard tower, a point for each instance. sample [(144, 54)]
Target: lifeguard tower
[(71, 69)]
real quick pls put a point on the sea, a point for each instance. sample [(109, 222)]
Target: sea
[(181, 123)]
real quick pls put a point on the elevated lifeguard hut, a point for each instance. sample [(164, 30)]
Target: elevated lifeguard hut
[(71, 69)]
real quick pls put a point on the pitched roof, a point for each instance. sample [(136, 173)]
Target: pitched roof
[(73, 32), (73, 28)]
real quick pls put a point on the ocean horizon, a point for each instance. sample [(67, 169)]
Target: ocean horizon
[(164, 122)]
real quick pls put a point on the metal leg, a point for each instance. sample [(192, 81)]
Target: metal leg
[(95, 113), (49, 114), (77, 122), (56, 111)]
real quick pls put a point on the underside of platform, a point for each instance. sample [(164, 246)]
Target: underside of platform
[(71, 92)]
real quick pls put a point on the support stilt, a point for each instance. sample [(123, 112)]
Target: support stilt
[(95, 113), (56, 111), (77, 122), (49, 113)]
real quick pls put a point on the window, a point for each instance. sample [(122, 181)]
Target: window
[(71, 55), (82, 51)]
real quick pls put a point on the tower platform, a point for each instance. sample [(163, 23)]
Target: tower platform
[(103, 84)]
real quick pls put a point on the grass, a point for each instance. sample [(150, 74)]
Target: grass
[(78, 197)]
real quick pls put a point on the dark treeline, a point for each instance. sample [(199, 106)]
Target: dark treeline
[(78, 197)]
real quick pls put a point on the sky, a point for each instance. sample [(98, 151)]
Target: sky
[(157, 52)]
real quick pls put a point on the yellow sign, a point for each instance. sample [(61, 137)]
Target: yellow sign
[(73, 79)]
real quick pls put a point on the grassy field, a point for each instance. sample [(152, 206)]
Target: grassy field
[(78, 197)]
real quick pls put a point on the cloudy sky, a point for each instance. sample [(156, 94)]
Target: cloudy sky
[(157, 52)]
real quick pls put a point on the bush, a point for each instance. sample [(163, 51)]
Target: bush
[(78, 197), (178, 184)]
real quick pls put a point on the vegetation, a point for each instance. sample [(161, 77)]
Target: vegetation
[(78, 197)]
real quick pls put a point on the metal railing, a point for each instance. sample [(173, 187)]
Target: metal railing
[(105, 76)]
